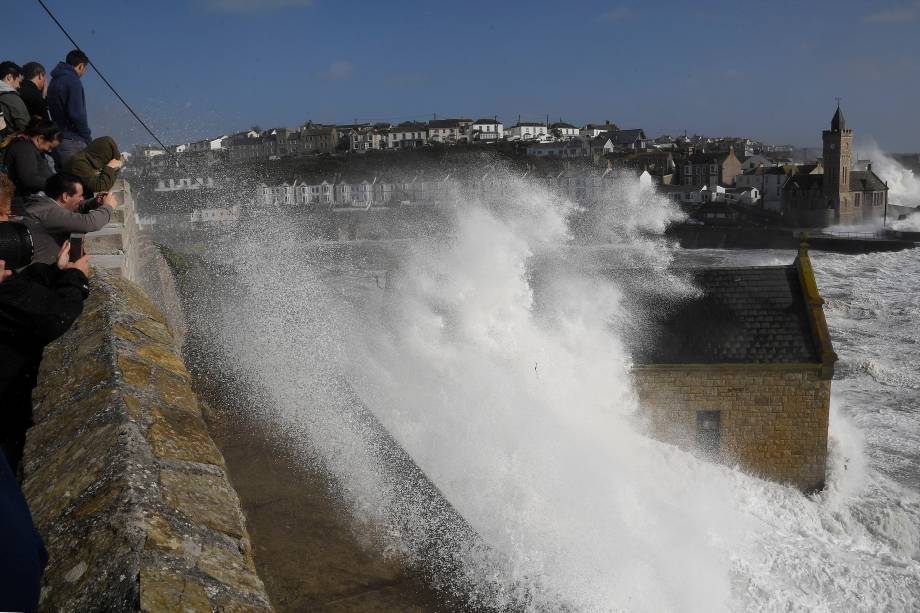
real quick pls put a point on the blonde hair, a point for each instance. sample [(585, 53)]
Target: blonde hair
[(7, 189)]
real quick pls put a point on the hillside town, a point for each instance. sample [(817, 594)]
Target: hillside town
[(721, 180)]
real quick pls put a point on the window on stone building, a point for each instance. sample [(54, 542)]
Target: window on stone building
[(709, 432)]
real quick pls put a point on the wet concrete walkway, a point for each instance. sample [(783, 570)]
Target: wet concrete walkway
[(304, 546)]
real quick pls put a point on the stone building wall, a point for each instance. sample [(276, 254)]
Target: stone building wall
[(125, 485), (773, 419)]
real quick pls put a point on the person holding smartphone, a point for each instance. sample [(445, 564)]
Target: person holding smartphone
[(37, 305)]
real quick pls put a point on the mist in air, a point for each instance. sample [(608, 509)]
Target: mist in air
[(495, 357)]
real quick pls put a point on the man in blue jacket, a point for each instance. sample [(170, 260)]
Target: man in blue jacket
[(67, 105)]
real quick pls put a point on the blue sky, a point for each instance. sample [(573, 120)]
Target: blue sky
[(768, 70)]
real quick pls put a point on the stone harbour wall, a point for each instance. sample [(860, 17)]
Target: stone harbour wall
[(126, 487), (773, 420)]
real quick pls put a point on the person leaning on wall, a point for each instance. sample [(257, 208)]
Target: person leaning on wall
[(96, 166), (52, 216), (37, 305), (27, 162)]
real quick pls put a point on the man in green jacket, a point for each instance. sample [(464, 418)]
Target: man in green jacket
[(96, 166), (14, 109)]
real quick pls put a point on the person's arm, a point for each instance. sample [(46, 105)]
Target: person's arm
[(47, 301), (76, 109), (19, 111), (95, 180), (59, 219)]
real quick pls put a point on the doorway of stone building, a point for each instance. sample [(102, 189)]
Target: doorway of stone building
[(709, 433)]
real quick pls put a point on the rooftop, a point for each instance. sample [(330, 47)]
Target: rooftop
[(741, 316)]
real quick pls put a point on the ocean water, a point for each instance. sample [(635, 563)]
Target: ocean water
[(522, 415)]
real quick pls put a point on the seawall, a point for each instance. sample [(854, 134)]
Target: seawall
[(126, 486), (716, 237)]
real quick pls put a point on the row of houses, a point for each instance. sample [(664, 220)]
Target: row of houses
[(317, 138), (429, 190)]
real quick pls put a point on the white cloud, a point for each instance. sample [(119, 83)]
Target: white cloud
[(338, 71), (900, 14), (617, 13), (251, 6)]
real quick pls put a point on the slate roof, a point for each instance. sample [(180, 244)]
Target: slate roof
[(742, 316), (709, 158), (626, 137), (866, 181), (804, 182)]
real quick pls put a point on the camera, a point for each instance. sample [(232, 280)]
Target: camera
[(16, 247)]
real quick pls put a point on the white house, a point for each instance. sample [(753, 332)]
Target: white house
[(746, 196), (407, 135), (593, 130), (217, 216), (527, 131), (563, 131), (486, 131), (575, 148), (448, 130), (183, 183)]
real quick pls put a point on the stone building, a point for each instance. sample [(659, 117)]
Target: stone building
[(719, 168), (841, 195), (742, 372)]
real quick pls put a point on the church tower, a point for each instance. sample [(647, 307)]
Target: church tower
[(838, 143)]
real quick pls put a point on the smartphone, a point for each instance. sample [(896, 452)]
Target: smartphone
[(76, 247)]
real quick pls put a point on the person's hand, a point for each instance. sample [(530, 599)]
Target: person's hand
[(115, 164), (63, 258), (64, 263), (4, 273), (82, 265), (106, 198)]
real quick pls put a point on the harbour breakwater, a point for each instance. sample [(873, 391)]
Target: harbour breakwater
[(719, 237), (125, 484)]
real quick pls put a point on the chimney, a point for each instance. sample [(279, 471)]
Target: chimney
[(869, 167)]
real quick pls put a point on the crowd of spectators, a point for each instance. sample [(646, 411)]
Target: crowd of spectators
[(55, 186)]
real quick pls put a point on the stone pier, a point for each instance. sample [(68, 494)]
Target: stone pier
[(126, 487)]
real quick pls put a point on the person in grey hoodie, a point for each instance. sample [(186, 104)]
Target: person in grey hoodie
[(61, 210), (14, 109)]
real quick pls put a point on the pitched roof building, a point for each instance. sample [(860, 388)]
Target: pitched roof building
[(741, 372), (840, 195)]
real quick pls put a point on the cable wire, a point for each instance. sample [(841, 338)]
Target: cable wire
[(101, 76)]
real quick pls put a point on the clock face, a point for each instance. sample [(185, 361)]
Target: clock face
[(833, 146)]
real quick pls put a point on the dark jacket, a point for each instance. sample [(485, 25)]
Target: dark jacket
[(90, 167), (14, 109), (33, 99), (51, 224), (23, 557), (37, 305), (67, 104), (26, 167)]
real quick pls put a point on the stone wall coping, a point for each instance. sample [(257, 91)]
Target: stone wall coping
[(126, 486), (735, 367)]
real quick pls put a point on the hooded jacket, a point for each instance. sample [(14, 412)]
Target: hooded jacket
[(90, 167), (26, 166), (14, 109), (67, 103), (51, 224)]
